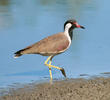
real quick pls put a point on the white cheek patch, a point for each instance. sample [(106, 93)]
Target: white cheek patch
[(68, 25)]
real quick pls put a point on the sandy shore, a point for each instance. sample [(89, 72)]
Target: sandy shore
[(72, 89)]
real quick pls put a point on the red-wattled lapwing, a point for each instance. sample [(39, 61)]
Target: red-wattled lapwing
[(52, 45)]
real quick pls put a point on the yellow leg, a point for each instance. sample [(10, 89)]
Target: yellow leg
[(49, 65), (50, 70)]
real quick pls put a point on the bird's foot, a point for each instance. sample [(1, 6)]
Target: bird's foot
[(63, 72)]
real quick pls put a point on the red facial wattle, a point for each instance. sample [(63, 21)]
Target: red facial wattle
[(78, 26)]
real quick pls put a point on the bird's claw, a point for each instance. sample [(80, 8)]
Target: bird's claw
[(63, 72)]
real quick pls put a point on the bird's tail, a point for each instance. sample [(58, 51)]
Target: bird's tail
[(18, 53), (23, 51)]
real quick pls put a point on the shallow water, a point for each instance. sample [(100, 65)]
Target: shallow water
[(24, 22)]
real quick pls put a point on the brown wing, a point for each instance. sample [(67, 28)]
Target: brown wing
[(50, 45)]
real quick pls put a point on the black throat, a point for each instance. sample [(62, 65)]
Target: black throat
[(70, 31)]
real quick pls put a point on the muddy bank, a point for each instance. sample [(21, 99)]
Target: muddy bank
[(72, 89)]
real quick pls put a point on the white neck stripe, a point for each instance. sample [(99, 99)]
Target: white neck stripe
[(66, 31)]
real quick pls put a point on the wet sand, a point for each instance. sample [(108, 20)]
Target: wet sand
[(71, 89)]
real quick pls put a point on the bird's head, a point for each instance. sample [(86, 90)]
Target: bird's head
[(71, 24)]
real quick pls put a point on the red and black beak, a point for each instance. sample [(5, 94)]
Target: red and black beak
[(79, 26)]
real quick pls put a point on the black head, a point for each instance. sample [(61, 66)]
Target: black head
[(70, 25), (73, 23)]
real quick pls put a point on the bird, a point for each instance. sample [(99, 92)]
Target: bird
[(52, 45)]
